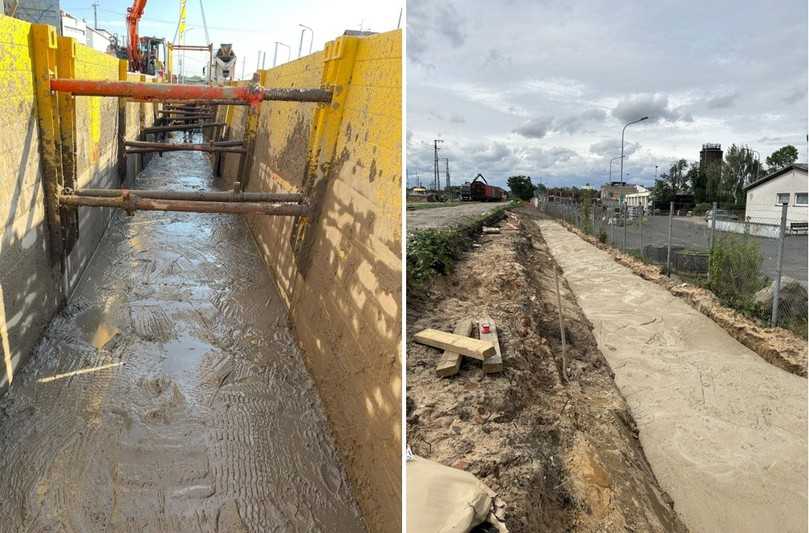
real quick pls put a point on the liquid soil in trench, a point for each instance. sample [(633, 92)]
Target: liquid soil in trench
[(193, 410)]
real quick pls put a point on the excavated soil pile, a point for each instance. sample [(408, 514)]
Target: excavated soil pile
[(562, 456)]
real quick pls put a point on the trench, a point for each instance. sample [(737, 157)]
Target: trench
[(169, 394)]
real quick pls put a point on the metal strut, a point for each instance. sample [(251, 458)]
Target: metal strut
[(131, 201), (169, 91)]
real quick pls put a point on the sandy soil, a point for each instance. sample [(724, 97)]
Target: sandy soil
[(195, 412), (777, 346), (562, 457), (724, 431), (443, 217)]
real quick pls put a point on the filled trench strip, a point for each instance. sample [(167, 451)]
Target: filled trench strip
[(169, 395), (724, 431)]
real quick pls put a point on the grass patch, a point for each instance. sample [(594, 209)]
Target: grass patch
[(435, 251)]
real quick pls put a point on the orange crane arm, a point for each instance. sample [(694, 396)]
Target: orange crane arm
[(133, 15)]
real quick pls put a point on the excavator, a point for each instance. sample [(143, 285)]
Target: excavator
[(144, 53)]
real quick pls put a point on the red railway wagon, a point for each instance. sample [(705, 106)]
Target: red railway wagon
[(483, 192)]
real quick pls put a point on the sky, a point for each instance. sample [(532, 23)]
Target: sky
[(250, 25), (544, 87)]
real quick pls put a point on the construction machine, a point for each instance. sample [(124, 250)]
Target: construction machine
[(223, 66), (144, 53)]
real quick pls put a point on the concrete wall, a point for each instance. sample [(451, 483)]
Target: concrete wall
[(29, 287), (761, 207), (32, 284), (340, 270)]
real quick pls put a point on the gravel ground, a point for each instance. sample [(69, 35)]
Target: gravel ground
[(444, 217)]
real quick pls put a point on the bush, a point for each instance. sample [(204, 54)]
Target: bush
[(432, 251), (602, 237), (735, 275), (701, 209)]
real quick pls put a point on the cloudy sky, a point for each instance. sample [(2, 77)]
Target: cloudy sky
[(543, 88)]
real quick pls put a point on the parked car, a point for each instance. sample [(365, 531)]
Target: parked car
[(721, 214)]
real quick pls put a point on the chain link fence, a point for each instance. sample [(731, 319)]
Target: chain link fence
[(740, 261)]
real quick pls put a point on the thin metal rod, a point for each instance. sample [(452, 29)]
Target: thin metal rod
[(208, 196), (170, 91), (181, 127), (561, 324), (133, 202)]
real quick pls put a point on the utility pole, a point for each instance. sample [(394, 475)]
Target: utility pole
[(446, 160), (436, 177), (95, 15)]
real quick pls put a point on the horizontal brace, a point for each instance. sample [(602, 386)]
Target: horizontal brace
[(150, 144), (209, 196), (198, 102), (169, 91), (181, 127), (133, 202), (188, 148)]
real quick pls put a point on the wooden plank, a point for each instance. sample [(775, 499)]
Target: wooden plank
[(449, 341), (450, 361), (494, 363)]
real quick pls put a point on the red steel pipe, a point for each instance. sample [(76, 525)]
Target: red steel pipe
[(171, 91)]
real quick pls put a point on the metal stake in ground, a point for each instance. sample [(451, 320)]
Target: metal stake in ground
[(668, 251), (561, 325), (777, 289)]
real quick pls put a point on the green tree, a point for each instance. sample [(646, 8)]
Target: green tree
[(662, 192), (783, 157), (521, 187), (739, 168)]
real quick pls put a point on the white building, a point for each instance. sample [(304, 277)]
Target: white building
[(77, 28), (765, 197), (641, 200)]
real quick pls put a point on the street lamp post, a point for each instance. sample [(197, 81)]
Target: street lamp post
[(611, 160), (311, 38), (275, 53), (622, 144)]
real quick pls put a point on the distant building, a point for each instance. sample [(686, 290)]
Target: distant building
[(612, 193), (711, 154), (640, 201), (765, 196), (99, 39)]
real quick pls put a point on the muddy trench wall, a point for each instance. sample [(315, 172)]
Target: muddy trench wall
[(33, 283), (339, 271)]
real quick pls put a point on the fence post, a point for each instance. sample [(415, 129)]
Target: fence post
[(624, 215), (777, 289), (640, 251), (713, 231), (668, 251)]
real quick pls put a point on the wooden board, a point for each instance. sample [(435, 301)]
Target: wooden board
[(450, 361), (494, 363), (457, 343)]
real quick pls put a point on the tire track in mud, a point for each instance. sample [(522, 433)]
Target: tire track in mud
[(196, 412)]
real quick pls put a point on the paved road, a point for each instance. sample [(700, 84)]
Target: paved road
[(443, 217), (696, 236), (724, 431)]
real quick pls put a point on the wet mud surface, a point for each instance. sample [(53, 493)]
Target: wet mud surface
[(169, 395)]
